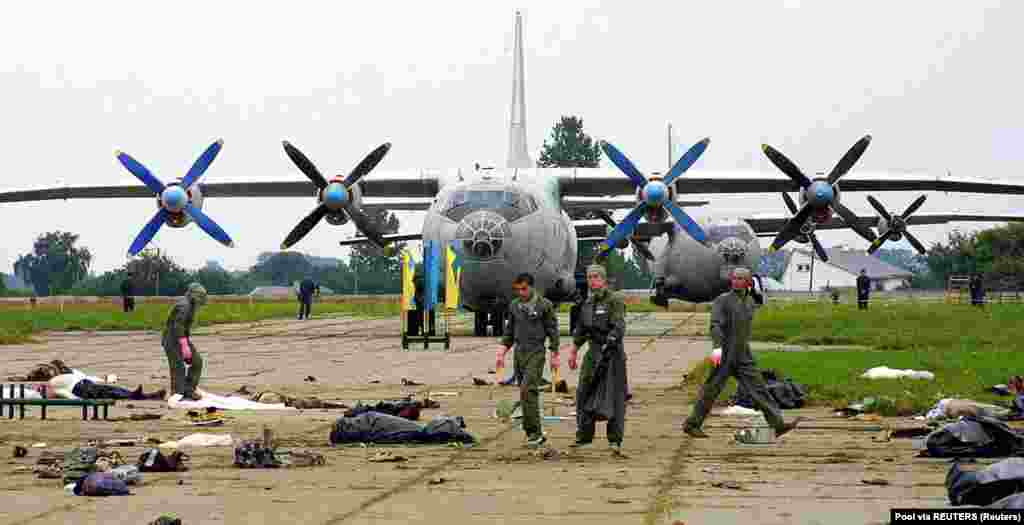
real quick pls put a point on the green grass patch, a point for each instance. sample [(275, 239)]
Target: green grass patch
[(17, 324)]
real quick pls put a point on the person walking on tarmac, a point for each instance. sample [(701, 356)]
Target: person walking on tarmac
[(127, 294), (532, 319), (732, 314), (177, 342), (601, 391), (863, 290), (307, 288)]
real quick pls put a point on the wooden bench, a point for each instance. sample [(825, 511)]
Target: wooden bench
[(21, 403)]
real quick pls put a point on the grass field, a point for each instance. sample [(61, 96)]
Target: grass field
[(17, 324), (967, 349)]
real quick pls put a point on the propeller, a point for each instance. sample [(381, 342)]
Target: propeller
[(896, 225), (335, 196), (639, 245), (819, 194), (655, 194), (175, 199), (806, 230)]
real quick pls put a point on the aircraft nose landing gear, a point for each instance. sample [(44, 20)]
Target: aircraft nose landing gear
[(659, 298)]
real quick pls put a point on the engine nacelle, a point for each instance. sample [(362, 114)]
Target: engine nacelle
[(336, 219), (656, 214), (821, 215), (181, 219)]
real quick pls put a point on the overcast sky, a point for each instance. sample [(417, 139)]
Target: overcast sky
[(937, 84)]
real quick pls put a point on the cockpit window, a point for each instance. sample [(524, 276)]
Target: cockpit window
[(718, 233), (509, 203)]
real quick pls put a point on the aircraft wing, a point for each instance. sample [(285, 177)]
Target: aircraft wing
[(388, 238), (576, 204), (770, 226), (599, 182), (412, 184)]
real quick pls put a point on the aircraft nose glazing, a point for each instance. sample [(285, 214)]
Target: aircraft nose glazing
[(732, 250), (482, 234)]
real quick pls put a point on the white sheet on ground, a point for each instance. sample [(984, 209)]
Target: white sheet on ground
[(200, 440), (223, 402), (737, 410), (884, 372)]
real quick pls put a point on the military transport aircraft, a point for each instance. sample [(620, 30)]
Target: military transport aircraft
[(509, 220)]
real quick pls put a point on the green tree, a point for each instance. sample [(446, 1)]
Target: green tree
[(216, 280), (372, 271), (569, 146), (55, 264), (283, 268), (154, 273)]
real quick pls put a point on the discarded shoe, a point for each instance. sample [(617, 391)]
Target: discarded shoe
[(789, 426), (695, 433), (537, 441)]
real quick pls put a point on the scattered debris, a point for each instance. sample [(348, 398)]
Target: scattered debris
[(20, 452), (310, 379), (39, 445), (375, 381), (385, 456), (875, 481), (436, 481), (727, 485), (616, 500), (166, 519), (562, 387), (410, 382), (480, 382), (144, 417), (243, 391)]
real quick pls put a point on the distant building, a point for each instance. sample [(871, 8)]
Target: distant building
[(840, 271)]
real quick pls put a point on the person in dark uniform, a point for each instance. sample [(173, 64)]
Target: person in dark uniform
[(177, 342), (601, 391), (307, 288), (863, 290), (532, 319), (732, 315), (977, 290), (127, 294)]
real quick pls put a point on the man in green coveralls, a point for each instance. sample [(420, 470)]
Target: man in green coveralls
[(177, 342), (601, 391), (532, 319), (732, 315)]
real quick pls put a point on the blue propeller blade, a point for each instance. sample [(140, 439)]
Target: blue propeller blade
[(208, 225), (624, 228), (148, 231), (624, 164), (686, 222), (687, 160), (201, 164), (140, 172)]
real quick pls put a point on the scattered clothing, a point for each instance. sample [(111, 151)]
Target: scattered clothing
[(295, 402), (974, 436), (955, 408), (374, 427), (787, 394), (404, 408), (985, 486)]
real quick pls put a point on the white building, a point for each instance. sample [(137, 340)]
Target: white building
[(840, 271)]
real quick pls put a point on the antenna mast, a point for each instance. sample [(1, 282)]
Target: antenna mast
[(518, 153)]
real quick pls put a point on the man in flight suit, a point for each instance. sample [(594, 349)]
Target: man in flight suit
[(601, 391), (532, 319), (732, 314), (863, 290), (177, 342)]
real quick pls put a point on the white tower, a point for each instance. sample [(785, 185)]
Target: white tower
[(518, 153)]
